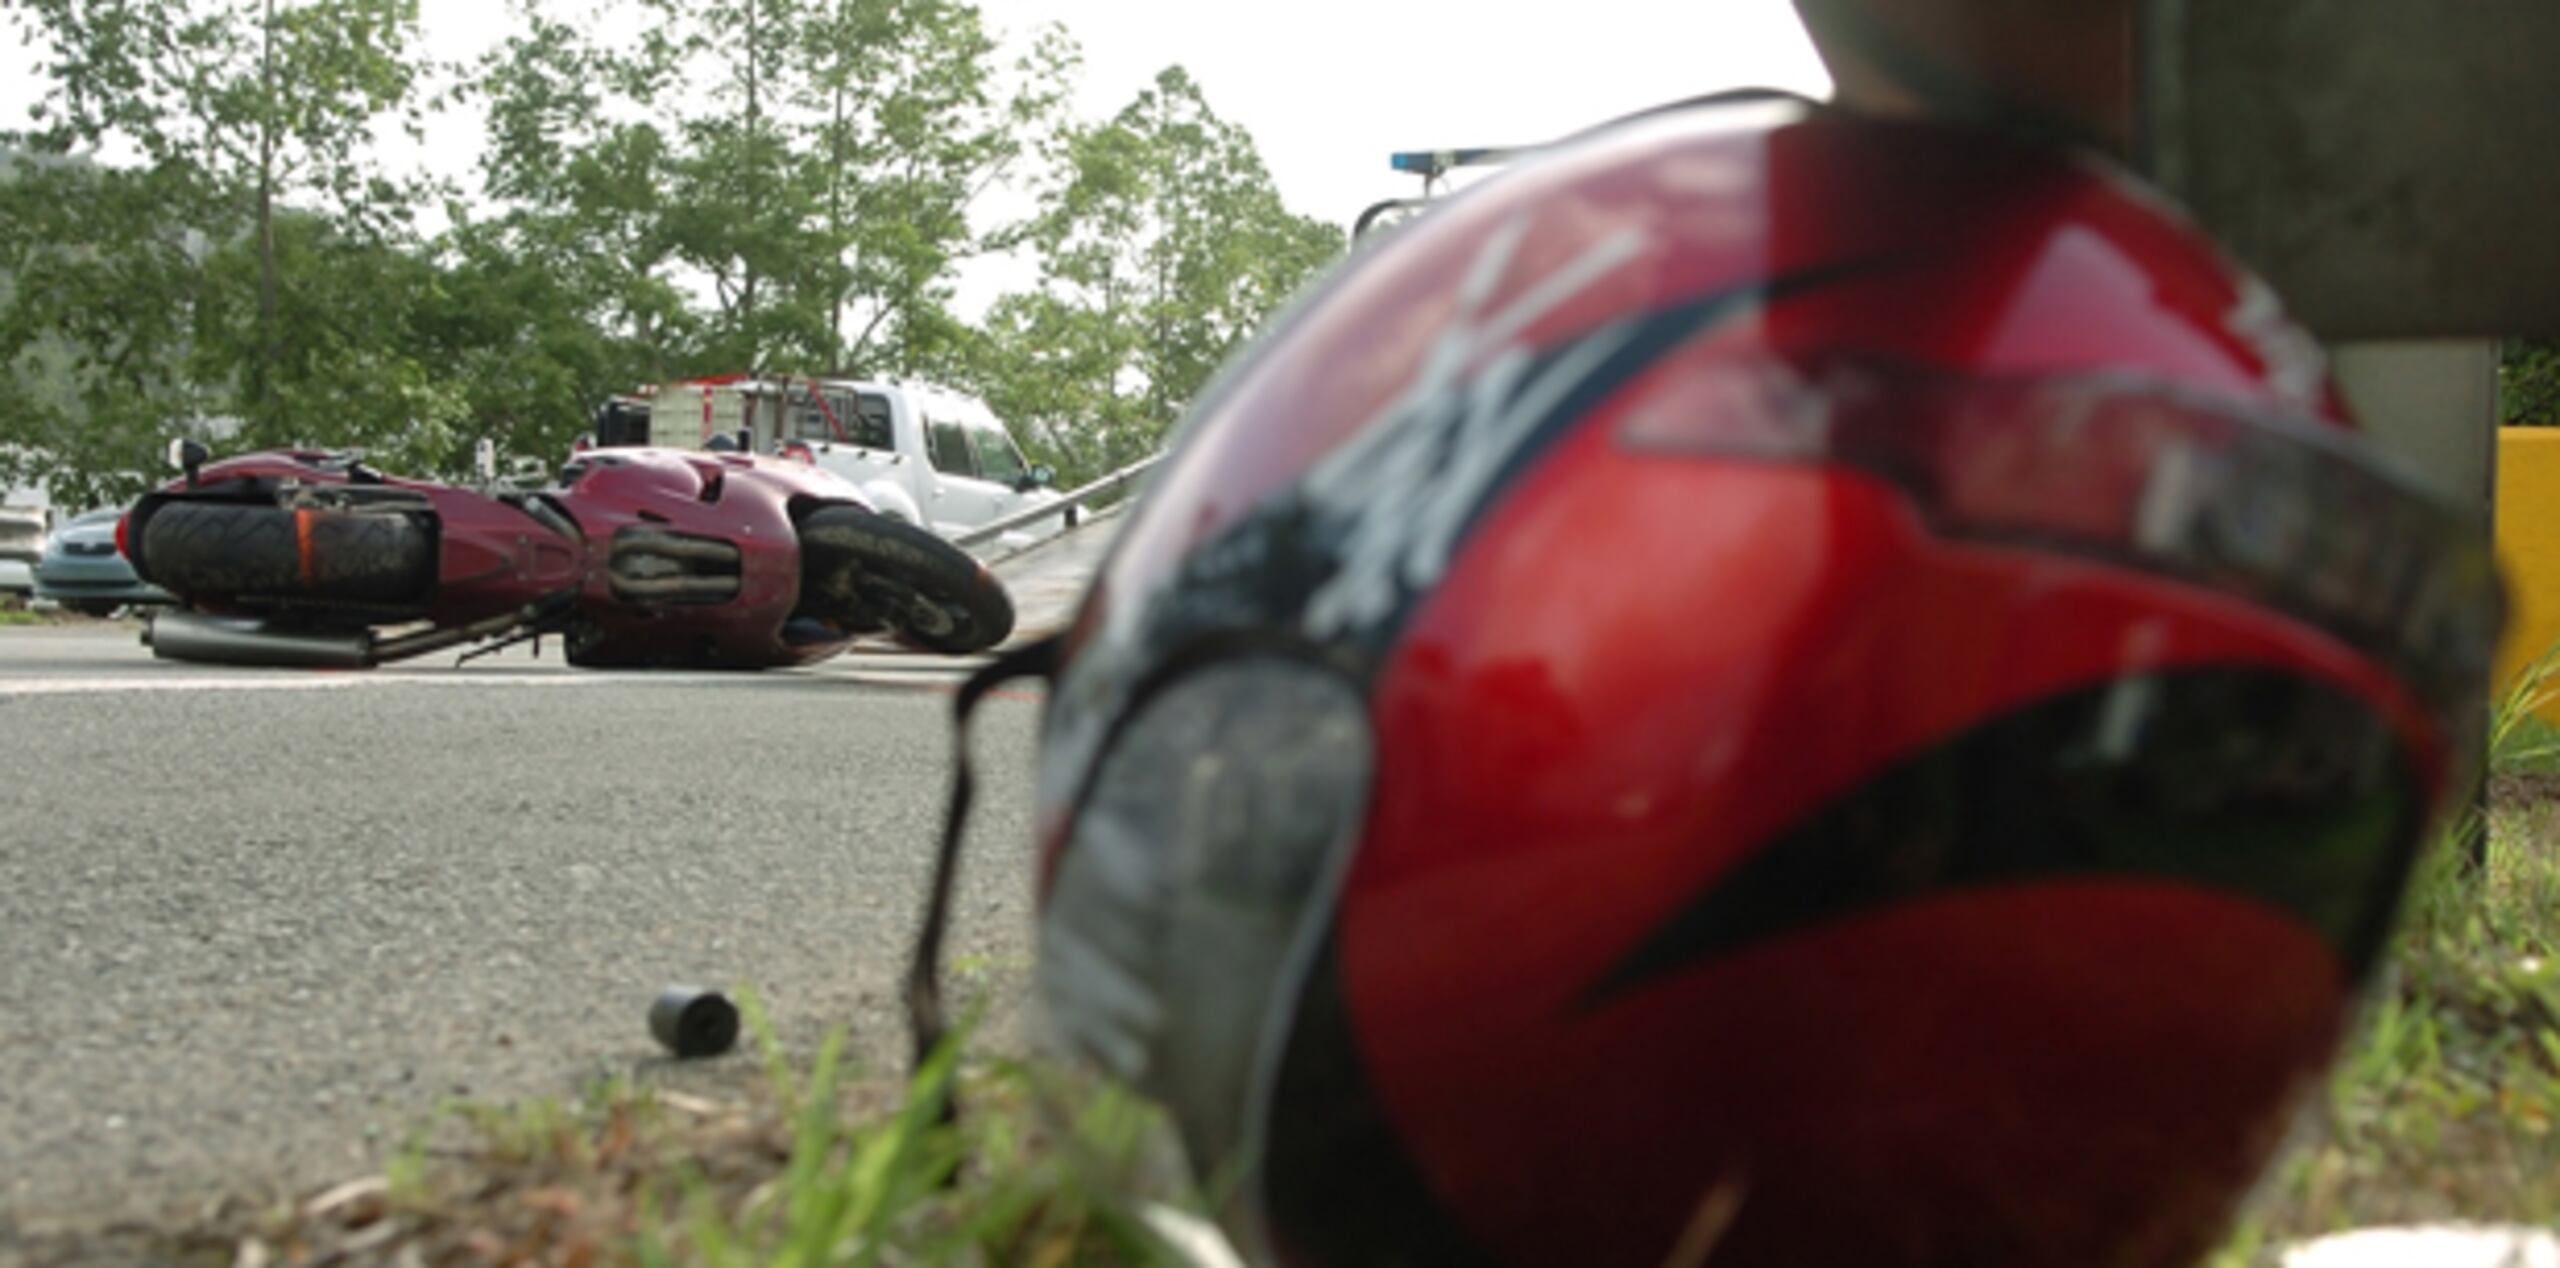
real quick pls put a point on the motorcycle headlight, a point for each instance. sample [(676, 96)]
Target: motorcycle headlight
[(1196, 882)]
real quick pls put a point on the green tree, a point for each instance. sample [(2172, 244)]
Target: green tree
[(567, 285), (1164, 245), (914, 121), (579, 169), (2529, 383), (812, 209), (524, 348), (97, 326), (188, 274), (740, 210)]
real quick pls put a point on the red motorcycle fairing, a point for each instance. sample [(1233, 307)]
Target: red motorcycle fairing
[(492, 557), (742, 499)]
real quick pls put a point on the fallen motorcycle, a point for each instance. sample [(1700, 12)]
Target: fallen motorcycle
[(633, 558)]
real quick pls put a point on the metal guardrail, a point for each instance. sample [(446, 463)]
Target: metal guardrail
[(1078, 496)]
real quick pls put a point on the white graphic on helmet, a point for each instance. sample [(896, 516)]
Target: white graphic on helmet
[(2296, 368), (1406, 486)]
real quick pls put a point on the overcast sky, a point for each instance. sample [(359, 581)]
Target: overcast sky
[(1328, 88)]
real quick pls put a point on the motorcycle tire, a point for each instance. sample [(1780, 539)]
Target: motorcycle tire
[(246, 549), (857, 567)]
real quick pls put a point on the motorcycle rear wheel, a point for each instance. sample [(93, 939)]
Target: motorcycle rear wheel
[(232, 549), (858, 568)]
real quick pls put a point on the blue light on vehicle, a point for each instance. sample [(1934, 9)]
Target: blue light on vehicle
[(1442, 162)]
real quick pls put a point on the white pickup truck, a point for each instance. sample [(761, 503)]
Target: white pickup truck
[(925, 454)]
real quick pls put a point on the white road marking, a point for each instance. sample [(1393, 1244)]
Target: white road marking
[(2437, 1246), (926, 673), (87, 662), (296, 681), (78, 686)]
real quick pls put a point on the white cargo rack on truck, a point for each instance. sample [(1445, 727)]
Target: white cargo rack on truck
[(925, 454)]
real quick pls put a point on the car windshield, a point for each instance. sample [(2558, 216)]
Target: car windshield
[(95, 518)]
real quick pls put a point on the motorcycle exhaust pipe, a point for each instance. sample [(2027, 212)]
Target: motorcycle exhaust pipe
[(220, 641)]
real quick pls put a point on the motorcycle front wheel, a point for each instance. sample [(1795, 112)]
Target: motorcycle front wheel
[(254, 549), (859, 569)]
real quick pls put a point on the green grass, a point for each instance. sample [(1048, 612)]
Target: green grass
[(811, 1165), (2522, 744), (2444, 1104), (16, 610)]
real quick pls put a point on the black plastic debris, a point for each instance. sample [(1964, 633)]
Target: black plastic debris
[(691, 1022)]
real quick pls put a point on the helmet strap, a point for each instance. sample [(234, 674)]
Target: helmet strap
[(926, 1023)]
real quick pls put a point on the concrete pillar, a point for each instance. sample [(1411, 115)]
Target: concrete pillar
[(2433, 403), (2384, 164)]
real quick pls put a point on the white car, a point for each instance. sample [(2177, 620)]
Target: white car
[(82, 570)]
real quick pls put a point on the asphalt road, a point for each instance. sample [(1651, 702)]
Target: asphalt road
[(254, 925)]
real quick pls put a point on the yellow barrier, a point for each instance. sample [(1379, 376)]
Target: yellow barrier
[(2529, 547)]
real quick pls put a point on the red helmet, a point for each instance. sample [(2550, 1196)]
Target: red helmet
[(1773, 686)]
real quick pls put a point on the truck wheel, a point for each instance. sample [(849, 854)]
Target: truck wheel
[(859, 569), (252, 548)]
